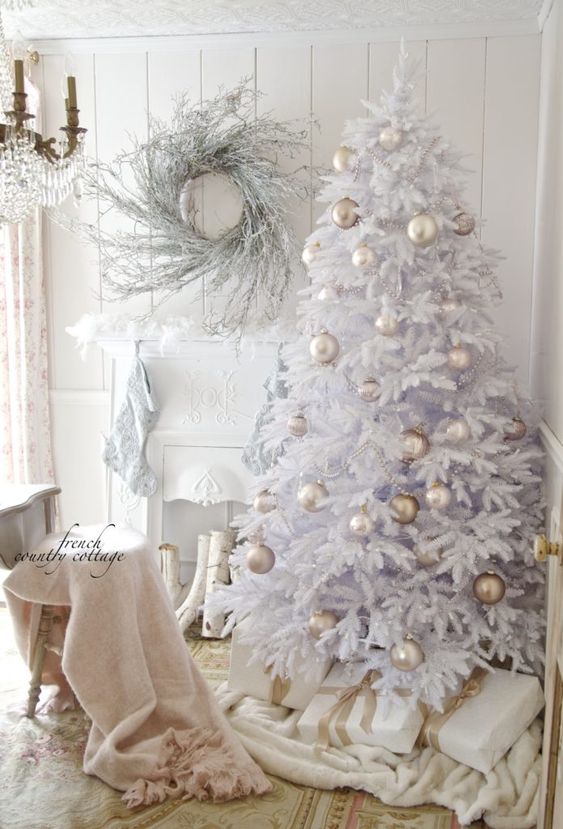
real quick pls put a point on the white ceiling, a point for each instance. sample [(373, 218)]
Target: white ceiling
[(37, 19)]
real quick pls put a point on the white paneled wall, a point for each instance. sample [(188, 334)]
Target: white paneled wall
[(483, 91)]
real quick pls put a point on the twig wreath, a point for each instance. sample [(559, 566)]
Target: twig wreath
[(166, 250)]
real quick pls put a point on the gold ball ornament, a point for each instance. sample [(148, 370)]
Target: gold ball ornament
[(390, 138), (406, 655), (438, 496), (458, 430), (344, 213), (422, 230), (324, 348), (310, 253), (518, 431), (404, 508), (297, 425), (369, 390), (415, 444), (264, 502), (328, 293), (465, 224), (387, 325), (363, 257), (361, 524), (459, 358), (311, 496), (489, 588), (343, 159), (425, 556), (260, 559), (322, 621)]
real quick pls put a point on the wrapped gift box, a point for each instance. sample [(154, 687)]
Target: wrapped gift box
[(347, 711), (256, 680), (479, 725)]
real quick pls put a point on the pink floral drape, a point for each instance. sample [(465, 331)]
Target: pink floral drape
[(25, 439)]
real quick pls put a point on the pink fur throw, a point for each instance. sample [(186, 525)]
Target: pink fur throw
[(157, 730)]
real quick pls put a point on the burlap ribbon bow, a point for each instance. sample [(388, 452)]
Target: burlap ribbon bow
[(279, 688), (429, 735), (342, 708)]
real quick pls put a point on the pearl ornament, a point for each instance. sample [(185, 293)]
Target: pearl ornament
[(404, 508), (465, 224), (328, 293), (438, 496), (322, 621), (297, 425), (361, 524), (369, 390), (343, 159), (406, 655), (264, 502), (519, 430), (387, 325), (363, 257), (458, 430), (344, 213), (489, 588), (422, 230), (312, 495), (260, 559), (390, 138), (324, 348), (459, 358), (310, 253), (415, 444)]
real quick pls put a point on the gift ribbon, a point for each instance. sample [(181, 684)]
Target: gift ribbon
[(279, 688), (429, 734), (342, 708)]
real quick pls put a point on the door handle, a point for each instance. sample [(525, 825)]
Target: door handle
[(544, 548)]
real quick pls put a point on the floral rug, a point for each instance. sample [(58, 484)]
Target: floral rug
[(43, 786)]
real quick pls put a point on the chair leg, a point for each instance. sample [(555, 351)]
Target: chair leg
[(45, 625)]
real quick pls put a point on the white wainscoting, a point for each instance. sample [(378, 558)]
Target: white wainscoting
[(482, 90)]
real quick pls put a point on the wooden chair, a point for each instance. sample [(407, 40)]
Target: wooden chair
[(27, 514)]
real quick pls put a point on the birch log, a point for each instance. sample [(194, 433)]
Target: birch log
[(188, 610), (220, 548), (170, 569)]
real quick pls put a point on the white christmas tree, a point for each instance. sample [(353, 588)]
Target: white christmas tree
[(396, 525)]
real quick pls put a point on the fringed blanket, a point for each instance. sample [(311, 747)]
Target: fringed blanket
[(157, 730)]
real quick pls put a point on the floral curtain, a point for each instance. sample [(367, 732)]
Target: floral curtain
[(25, 440)]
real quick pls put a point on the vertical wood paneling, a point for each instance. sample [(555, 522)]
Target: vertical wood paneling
[(382, 60), (340, 83), (121, 102), (455, 85), (509, 181), (283, 75), (73, 273), (170, 74)]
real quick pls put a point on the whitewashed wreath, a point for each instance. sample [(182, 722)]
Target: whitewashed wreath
[(166, 250)]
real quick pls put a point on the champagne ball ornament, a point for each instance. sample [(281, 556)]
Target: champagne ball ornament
[(465, 224), (344, 213), (328, 293), (449, 305), (518, 431), (422, 230), (343, 159), (387, 324), (425, 556), (363, 257), (458, 430), (297, 425), (406, 655), (390, 138), (369, 390), (312, 495), (361, 524), (404, 508), (438, 496), (415, 444), (322, 621), (260, 559), (264, 502), (489, 588), (324, 348), (310, 253), (459, 358)]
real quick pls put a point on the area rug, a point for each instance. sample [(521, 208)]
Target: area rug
[(43, 786)]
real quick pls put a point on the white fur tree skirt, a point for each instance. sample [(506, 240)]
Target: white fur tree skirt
[(506, 798)]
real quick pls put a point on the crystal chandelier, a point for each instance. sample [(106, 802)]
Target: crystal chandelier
[(34, 172)]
